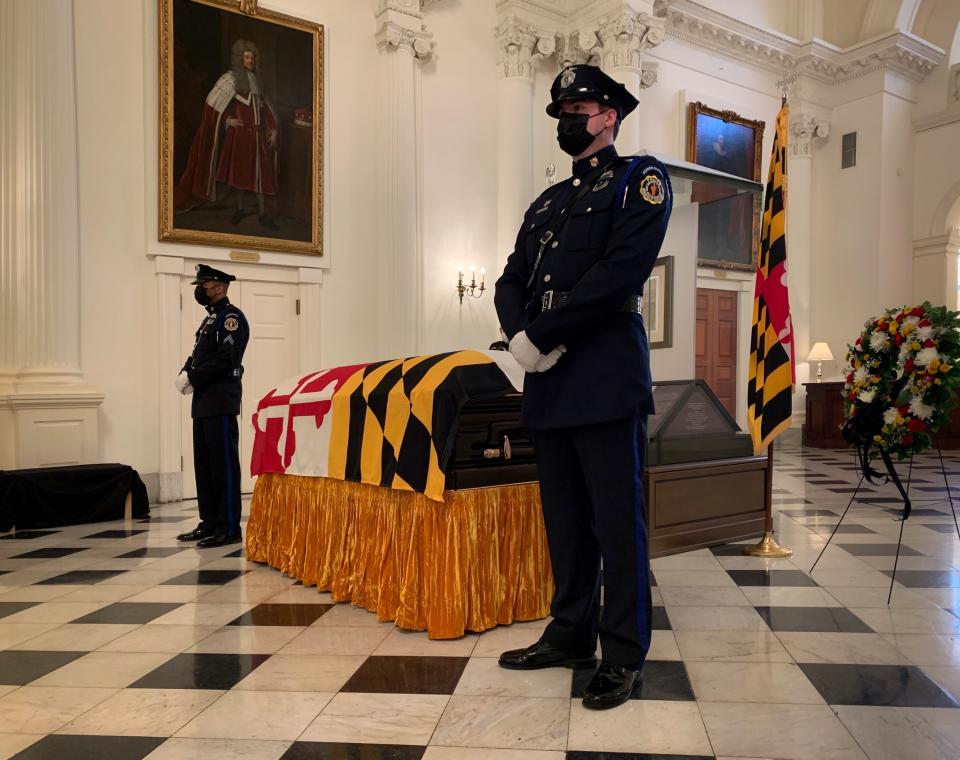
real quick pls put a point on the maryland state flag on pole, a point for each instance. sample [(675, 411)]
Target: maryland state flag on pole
[(770, 386)]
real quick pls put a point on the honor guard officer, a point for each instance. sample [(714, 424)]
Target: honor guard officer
[(569, 300), (212, 374)]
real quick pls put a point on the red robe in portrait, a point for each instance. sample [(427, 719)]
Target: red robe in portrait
[(236, 156)]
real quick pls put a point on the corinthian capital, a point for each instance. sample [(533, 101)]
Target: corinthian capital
[(392, 34), (804, 129), (578, 47), (520, 46), (625, 36)]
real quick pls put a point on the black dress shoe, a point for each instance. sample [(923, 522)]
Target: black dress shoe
[(218, 539), (542, 655), (197, 534), (610, 686), (267, 221), (239, 216)]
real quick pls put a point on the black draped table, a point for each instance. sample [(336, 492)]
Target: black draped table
[(49, 497)]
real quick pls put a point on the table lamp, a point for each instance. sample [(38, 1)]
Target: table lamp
[(820, 353)]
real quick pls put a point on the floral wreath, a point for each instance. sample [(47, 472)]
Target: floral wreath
[(901, 378)]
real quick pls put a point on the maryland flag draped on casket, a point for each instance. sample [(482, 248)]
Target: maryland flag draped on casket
[(389, 423)]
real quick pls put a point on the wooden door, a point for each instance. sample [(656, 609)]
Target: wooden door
[(717, 344), (273, 353)]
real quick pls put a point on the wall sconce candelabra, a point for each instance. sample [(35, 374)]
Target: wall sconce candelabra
[(473, 290)]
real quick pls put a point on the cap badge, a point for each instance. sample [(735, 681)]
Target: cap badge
[(569, 74)]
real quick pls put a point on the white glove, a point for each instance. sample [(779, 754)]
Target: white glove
[(182, 383), (523, 350), (547, 361)]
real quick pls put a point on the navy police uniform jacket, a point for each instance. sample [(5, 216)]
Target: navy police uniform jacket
[(215, 366), (601, 256)]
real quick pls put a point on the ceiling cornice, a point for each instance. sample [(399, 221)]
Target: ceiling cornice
[(899, 51)]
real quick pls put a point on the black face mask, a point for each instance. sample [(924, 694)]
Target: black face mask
[(201, 296), (572, 133)]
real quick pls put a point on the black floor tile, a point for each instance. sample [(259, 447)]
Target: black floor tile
[(853, 489), (163, 519), (813, 619), (57, 746), (790, 502), (201, 671), (819, 482), (237, 553), (729, 550), (129, 612), (585, 755), (845, 528), (27, 534), (771, 578), (49, 552), (206, 578), (809, 513), (927, 578), (116, 534), (20, 667), (81, 577), (9, 608), (879, 500), (283, 614), (334, 751), (661, 622), (407, 675), (876, 686), (151, 551), (879, 550), (662, 679), (941, 527)]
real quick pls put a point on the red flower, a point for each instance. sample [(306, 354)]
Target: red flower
[(915, 426), (929, 343), (898, 339), (903, 410), (900, 317), (924, 323), (852, 397), (908, 365), (850, 378), (859, 341), (907, 439), (917, 311), (881, 325)]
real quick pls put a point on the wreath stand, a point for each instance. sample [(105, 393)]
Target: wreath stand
[(905, 493)]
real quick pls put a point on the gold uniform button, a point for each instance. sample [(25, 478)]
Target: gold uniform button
[(589, 209), (576, 183), (554, 244), (546, 278)]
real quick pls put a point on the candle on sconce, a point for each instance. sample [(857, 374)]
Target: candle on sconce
[(483, 273)]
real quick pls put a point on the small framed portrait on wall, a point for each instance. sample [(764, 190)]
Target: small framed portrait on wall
[(658, 304), (729, 219), (241, 126)]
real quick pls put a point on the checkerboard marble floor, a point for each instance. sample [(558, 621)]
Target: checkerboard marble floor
[(115, 642)]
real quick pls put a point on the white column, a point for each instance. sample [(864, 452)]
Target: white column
[(935, 269), (51, 415), (169, 270), (403, 44), (520, 46), (624, 37), (803, 129)]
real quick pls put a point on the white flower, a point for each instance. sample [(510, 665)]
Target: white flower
[(878, 340), (867, 396), (912, 321), (925, 356), (919, 409), (924, 333), (890, 416), (860, 374)]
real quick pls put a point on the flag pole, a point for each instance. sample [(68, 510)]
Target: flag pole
[(768, 546)]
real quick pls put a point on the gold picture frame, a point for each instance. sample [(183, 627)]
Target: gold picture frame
[(658, 304), (729, 220), (241, 126)]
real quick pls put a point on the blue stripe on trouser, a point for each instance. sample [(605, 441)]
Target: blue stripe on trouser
[(229, 472)]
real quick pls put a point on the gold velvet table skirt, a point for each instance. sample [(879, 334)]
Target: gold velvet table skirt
[(475, 561)]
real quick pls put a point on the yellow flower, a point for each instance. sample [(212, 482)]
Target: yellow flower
[(945, 367), (878, 438), (916, 345), (908, 327), (937, 381), (934, 365)]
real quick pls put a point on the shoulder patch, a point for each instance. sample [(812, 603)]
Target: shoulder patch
[(651, 189), (231, 323)]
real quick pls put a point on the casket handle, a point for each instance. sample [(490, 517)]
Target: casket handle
[(506, 450)]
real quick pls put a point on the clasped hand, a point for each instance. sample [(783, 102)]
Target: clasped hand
[(529, 357), (182, 383)]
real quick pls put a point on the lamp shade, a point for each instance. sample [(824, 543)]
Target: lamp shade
[(820, 353)]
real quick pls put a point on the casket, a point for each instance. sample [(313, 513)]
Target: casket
[(491, 447)]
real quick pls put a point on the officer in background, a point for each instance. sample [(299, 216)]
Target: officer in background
[(212, 374), (569, 300)]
